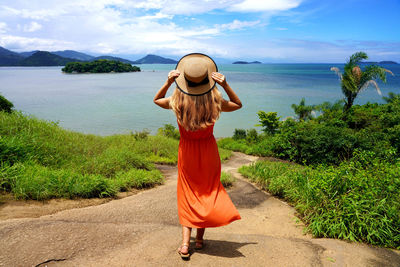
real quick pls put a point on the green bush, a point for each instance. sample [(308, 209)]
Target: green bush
[(330, 138), (239, 134), (269, 121), (5, 105), (358, 200), (169, 131)]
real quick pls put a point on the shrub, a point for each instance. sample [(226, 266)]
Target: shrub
[(5, 105), (140, 135), (357, 200), (270, 121), (252, 136), (169, 131), (239, 134)]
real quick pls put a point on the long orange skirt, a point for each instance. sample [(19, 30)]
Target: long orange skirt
[(202, 199)]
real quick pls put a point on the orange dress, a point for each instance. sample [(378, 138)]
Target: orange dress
[(202, 199)]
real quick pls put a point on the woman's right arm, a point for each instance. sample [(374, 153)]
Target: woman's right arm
[(234, 102), (159, 98)]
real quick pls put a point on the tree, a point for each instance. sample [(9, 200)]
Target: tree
[(354, 80), (270, 121), (303, 111), (392, 98)]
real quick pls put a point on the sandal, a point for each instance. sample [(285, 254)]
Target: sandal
[(199, 244), (184, 256)]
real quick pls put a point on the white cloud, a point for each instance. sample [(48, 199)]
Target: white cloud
[(3, 27), (237, 24), (32, 27), (18, 43), (265, 5)]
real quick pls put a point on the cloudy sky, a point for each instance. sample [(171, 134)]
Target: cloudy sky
[(266, 30)]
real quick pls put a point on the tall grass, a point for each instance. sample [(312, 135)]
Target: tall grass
[(358, 200), (40, 160)]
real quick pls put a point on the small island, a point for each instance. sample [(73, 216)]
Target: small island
[(99, 66), (245, 62)]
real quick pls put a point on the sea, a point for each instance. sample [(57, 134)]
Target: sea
[(121, 103)]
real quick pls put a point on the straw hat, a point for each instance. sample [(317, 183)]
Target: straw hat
[(195, 78)]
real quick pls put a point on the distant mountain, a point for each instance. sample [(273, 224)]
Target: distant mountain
[(114, 58), (153, 59), (9, 58), (388, 62), (44, 58), (28, 54), (245, 62), (380, 62), (74, 54)]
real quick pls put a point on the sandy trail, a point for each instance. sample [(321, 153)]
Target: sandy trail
[(143, 230)]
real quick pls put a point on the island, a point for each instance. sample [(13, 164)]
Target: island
[(380, 62), (99, 66), (245, 62)]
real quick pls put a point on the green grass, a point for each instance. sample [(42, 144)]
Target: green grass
[(40, 160), (227, 179), (358, 200)]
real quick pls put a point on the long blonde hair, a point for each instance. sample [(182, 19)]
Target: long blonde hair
[(196, 112)]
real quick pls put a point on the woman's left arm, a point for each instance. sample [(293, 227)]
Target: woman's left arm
[(160, 98)]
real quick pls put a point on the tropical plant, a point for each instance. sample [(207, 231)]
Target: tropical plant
[(392, 97), (354, 80), (302, 110), (270, 121)]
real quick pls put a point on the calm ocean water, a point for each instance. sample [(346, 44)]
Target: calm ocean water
[(108, 104)]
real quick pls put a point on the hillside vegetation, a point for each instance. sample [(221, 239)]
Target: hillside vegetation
[(99, 66), (343, 177)]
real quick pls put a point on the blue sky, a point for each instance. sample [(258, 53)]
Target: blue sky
[(269, 30)]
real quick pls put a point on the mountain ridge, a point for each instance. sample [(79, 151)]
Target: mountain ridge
[(60, 58)]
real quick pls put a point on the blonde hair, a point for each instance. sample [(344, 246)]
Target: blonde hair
[(196, 112)]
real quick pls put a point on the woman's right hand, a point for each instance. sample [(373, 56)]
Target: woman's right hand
[(172, 75)]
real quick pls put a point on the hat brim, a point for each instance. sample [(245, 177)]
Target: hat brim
[(183, 85)]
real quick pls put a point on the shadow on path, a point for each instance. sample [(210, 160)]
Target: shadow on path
[(245, 195), (225, 249)]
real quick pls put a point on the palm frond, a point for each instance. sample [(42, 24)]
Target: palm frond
[(374, 83), (357, 58), (337, 71), (388, 71), (373, 72)]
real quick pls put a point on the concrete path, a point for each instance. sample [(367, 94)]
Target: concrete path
[(143, 230)]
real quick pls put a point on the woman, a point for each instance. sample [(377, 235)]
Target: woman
[(197, 103)]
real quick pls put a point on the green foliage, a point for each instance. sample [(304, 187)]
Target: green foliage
[(169, 131), (99, 66), (5, 105), (252, 136), (392, 98), (239, 134), (302, 110), (227, 179), (357, 200), (140, 135), (269, 121), (40, 160), (331, 137), (354, 80)]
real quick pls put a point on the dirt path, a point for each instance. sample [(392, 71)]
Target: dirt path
[(143, 230)]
